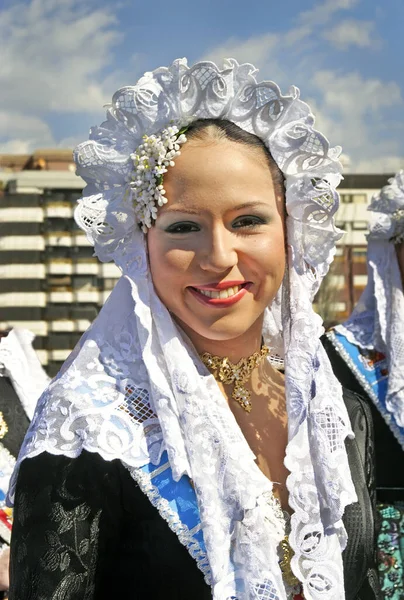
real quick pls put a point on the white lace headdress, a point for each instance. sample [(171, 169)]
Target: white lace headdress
[(377, 321), (134, 386)]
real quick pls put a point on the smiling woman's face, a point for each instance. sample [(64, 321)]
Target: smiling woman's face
[(217, 250)]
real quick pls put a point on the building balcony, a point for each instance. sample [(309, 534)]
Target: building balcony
[(69, 325), (22, 299), (68, 297), (37, 327), (60, 238), (21, 271), (20, 214), (58, 210), (22, 242)]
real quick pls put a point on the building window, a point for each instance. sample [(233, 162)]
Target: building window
[(85, 282), (109, 283), (353, 198), (359, 225), (59, 283), (341, 224), (359, 198)]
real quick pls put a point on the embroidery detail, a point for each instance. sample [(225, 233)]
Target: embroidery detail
[(372, 374)]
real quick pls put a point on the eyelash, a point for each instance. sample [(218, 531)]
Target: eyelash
[(189, 227)]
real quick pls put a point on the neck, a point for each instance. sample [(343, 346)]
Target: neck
[(235, 349)]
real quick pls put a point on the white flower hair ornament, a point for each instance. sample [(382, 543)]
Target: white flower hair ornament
[(150, 160), (134, 387)]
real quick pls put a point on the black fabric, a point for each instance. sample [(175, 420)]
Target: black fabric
[(14, 415), (389, 454), (360, 570), (82, 526), (83, 530)]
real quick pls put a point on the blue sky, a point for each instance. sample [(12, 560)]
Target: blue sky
[(63, 59)]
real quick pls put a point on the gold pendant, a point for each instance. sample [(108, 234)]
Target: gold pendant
[(228, 373), (3, 426), (241, 395)]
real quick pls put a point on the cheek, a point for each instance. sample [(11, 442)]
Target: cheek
[(270, 256), (167, 265)]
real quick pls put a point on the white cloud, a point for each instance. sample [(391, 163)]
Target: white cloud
[(351, 110), (322, 13), (379, 164), (255, 50), (21, 134), (351, 32), (53, 55), (268, 51), (16, 146)]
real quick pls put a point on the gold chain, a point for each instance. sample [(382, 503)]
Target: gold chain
[(228, 373), (287, 554)]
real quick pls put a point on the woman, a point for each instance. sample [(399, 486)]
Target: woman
[(368, 356), (172, 413), (22, 380)]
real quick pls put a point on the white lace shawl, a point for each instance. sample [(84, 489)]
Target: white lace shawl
[(134, 386), (377, 322), (19, 362)]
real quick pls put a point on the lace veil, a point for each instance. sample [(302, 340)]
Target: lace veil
[(377, 321), (134, 386)]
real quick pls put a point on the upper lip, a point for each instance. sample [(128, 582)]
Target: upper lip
[(221, 285)]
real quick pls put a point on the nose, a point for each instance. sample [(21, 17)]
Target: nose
[(219, 252)]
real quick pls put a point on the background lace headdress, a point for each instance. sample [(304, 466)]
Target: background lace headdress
[(377, 321), (134, 386)]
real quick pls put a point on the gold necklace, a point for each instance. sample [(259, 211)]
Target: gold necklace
[(228, 373)]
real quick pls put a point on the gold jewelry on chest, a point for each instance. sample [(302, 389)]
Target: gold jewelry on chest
[(235, 374)]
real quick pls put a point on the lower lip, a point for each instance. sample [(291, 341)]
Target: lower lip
[(220, 302)]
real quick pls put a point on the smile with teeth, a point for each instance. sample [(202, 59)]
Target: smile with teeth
[(227, 293)]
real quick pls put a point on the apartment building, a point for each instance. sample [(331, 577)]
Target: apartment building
[(50, 282)]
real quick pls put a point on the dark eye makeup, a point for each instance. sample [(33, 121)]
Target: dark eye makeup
[(243, 222), (249, 221), (182, 227)]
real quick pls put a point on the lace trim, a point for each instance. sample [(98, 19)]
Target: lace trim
[(388, 417)]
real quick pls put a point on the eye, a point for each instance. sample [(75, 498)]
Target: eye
[(248, 221), (182, 227)]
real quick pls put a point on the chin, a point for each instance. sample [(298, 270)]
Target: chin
[(219, 331)]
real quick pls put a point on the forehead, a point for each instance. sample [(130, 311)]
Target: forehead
[(210, 170)]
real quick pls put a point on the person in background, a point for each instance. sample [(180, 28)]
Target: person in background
[(22, 380), (368, 356)]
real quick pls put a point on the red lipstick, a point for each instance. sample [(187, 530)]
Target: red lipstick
[(220, 302)]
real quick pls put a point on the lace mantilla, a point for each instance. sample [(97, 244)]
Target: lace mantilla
[(134, 386), (377, 321)]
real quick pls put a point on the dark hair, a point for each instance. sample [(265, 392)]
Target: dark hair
[(221, 129)]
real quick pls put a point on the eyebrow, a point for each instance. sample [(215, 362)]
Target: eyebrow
[(192, 211)]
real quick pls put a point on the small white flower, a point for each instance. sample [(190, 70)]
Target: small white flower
[(151, 160)]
